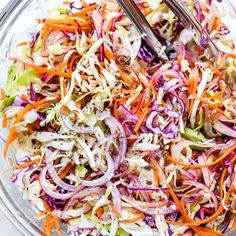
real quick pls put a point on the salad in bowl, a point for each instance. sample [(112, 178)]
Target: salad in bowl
[(108, 139)]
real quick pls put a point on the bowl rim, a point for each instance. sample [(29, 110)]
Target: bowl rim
[(8, 15)]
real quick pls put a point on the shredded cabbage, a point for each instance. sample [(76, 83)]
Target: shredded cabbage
[(109, 139)]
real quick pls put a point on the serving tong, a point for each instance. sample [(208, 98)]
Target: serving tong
[(181, 11)]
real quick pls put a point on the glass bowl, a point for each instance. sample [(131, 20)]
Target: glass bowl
[(17, 22)]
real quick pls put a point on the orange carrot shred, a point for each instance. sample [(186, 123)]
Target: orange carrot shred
[(12, 136), (109, 27), (66, 2), (4, 122), (85, 10), (108, 54), (57, 225), (59, 27), (28, 163), (99, 212), (133, 220), (190, 166), (13, 131), (155, 171), (30, 129), (223, 59), (113, 210), (3, 93), (191, 222), (48, 225), (24, 43), (67, 170), (43, 70), (141, 120)]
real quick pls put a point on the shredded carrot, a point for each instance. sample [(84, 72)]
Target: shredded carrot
[(108, 54), (47, 207), (28, 163), (24, 43), (152, 86), (46, 101), (133, 220), (193, 82), (218, 212), (223, 59), (3, 93), (141, 100), (30, 129), (190, 166), (62, 27), (21, 166), (57, 225), (12, 137), (212, 105), (191, 222), (67, 170), (78, 104), (85, 10), (216, 23), (24, 96), (123, 76), (10, 161), (141, 120), (22, 113), (64, 21), (37, 152), (43, 103), (66, 2), (109, 27), (215, 70), (44, 34), (113, 210), (222, 182), (43, 70), (69, 25), (4, 122), (84, 4), (62, 88), (178, 204), (73, 60), (89, 41), (48, 225), (118, 101), (155, 171), (99, 212), (13, 131)]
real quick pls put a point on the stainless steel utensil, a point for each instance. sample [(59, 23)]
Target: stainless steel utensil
[(186, 16), (143, 27), (180, 10)]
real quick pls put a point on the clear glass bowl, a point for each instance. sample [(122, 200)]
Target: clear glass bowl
[(17, 22)]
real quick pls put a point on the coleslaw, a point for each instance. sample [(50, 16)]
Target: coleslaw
[(111, 140)]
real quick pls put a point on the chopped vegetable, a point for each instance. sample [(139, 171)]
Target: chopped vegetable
[(111, 140)]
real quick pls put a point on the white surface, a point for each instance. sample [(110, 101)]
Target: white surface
[(7, 229)]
